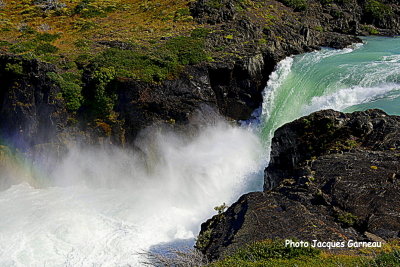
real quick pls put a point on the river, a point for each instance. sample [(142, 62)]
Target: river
[(104, 206)]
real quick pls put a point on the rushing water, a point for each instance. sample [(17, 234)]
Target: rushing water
[(357, 78), (103, 206)]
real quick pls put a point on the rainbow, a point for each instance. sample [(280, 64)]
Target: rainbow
[(16, 168)]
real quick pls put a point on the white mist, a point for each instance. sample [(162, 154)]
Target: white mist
[(101, 206)]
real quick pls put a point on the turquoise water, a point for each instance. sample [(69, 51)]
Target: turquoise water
[(361, 77)]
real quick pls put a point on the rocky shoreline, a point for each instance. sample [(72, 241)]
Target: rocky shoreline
[(332, 177)]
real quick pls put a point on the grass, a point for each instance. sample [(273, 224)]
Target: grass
[(154, 64), (274, 254), (114, 19), (160, 38), (162, 35), (71, 33), (22, 24), (377, 9), (297, 5)]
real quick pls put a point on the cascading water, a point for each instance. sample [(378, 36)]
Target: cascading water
[(103, 206), (357, 78)]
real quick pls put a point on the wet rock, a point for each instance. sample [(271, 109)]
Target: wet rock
[(31, 110), (330, 179)]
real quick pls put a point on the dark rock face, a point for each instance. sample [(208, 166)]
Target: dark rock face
[(254, 49), (245, 42), (257, 45), (31, 111), (326, 132), (214, 12), (332, 176), (141, 104)]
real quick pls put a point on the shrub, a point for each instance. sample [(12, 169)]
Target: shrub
[(391, 259), (22, 47), (90, 8), (47, 37), (377, 10), (134, 64), (103, 100), (370, 29), (70, 88), (45, 48), (203, 239), (220, 209), (297, 5), (347, 219), (158, 64), (15, 68), (189, 50), (200, 33), (259, 251), (84, 25), (82, 43), (83, 60), (182, 14), (4, 43), (215, 4), (26, 29)]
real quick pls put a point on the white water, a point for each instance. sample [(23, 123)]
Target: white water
[(348, 97), (102, 206), (356, 78)]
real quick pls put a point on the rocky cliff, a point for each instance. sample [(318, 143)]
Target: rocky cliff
[(332, 176), (243, 40), (31, 110)]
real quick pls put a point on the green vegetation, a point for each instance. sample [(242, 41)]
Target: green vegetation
[(70, 87), (377, 9), (327, 2), (260, 251), (14, 68), (45, 48), (297, 5), (370, 29), (215, 4), (22, 47), (163, 39), (387, 259), (275, 254), (220, 209), (267, 253), (188, 50), (200, 33), (203, 239), (319, 28), (91, 8), (347, 219), (37, 43), (56, 31), (103, 103), (341, 145), (162, 62), (47, 37)]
